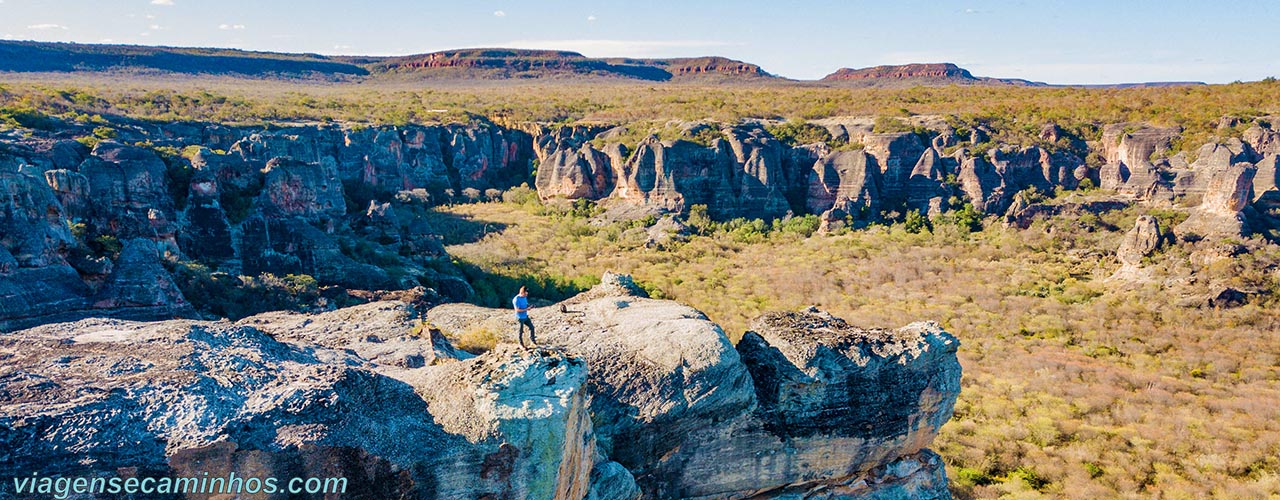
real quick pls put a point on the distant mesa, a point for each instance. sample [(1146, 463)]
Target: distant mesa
[(523, 63), (22, 56), (901, 72), (471, 64), (915, 74)]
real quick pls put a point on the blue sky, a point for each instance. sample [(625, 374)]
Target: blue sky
[(1084, 41)]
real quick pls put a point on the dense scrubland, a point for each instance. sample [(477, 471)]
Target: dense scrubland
[(1075, 386), (1017, 113)]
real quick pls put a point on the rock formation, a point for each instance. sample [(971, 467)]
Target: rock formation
[(296, 199), (1141, 241), (1128, 150), (1221, 211), (639, 398), (680, 410)]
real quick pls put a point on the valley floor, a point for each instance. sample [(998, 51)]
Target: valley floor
[(1076, 385)]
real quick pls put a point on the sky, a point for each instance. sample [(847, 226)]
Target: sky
[(1064, 42)]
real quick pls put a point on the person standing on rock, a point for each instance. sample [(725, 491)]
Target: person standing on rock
[(521, 304)]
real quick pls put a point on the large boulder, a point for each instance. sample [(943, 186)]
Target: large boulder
[(182, 399), (1128, 149), (1263, 139), (983, 186), (1143, 240), (32, 225), (927, 190), (1221, 211)]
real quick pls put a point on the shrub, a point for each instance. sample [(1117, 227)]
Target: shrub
[(478, 339), (916, 222), (890, 125), (106, 245), (967, 218), (522, 195), (804, 225), (699, 220), (795, 133)]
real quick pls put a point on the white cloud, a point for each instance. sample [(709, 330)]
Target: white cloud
[(46, 26), (145, 33), (7, 36), (591, 18), (625, 48), (156, 27), (341, 47), (230, 26), (498, 13), (150, 16), (162, 2)]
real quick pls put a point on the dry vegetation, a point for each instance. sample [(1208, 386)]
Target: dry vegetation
[(1074, 386), (1015, 111)]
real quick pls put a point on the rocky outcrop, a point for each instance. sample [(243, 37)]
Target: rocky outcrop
[(238, 200), (638, 398), (188, 398), (575, 173), (983, 186), (129, 191), (848, 180), (690, 416), (897, 155), (1221, 212), (1263, 139), (1128, 150), (1143, 240), (926, 190), (676, 175), (310, 191), (759, 180), (139, 287), (34, 243)]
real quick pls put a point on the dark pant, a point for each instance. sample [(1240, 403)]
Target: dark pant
[(523, 323)]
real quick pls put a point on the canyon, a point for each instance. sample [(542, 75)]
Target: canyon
[(102, 227)]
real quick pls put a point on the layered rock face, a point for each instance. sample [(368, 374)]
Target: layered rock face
[(244, 201), (745, 172), (629, 398), (1221, 212), (344, 204)]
